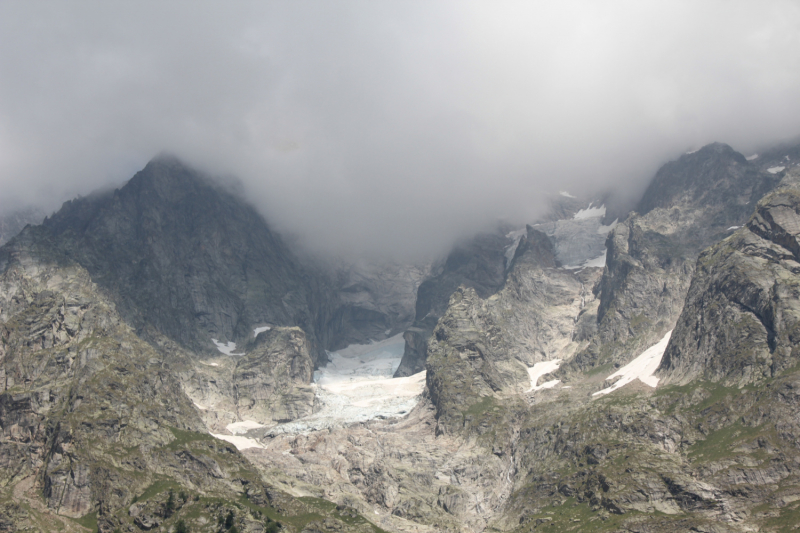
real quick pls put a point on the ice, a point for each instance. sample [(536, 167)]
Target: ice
[(227, 349), (243, 427), (599, 261), (357, 385), (241, 443), (603, 230), (641, 368), (540, 369), (260, 330), (590, 212), (565, 193), (775, 170), (752, 157)]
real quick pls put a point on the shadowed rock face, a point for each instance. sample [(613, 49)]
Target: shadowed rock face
[(479, 264), (190, 259), (741, 321)]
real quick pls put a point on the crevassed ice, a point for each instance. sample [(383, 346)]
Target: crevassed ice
[(357, 385)]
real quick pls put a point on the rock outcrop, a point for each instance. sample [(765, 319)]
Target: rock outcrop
[(478, 263), (741, 321), (691, 203)]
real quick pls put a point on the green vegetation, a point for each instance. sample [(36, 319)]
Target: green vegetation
[(88, 521)]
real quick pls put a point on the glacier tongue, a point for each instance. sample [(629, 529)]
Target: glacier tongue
[(357, 386)]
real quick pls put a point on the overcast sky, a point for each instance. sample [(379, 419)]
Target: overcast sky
[(387, 126)]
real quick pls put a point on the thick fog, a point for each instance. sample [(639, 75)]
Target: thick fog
[(387, 127)]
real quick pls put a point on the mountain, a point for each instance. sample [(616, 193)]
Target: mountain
[(160, 345), (94, 424), (180, 254)]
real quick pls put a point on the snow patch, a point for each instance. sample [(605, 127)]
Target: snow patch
[(733, 228), (752, 157), (260, 330), (227, 349), (641, 368), (241, 443), (565, 193), (241, 428), (775, 170), (590, 212), (692, 152), (540, 369)]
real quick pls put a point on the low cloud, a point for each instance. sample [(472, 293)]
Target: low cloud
[(388, 127)]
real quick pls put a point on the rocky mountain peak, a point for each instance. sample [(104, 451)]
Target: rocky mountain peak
[(714, 175)]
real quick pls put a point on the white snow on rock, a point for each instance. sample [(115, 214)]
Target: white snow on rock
[(241, 428), (752, 157), (260, 330), (692, 152), (357, 385), (733, 228), (227, 349), (590, 212), (775, 170), (241, 443), (540, 369), (641, 368), (565, 193)]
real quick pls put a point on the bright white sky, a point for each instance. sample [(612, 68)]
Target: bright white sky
[(378, 127)]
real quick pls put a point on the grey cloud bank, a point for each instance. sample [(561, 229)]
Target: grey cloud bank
[(391, 127)]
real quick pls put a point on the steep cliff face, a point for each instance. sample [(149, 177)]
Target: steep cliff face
[(741, 321), (190, 259), (691, 203), (479, 264), (88, 409), (269, 383), (480, 348), (374, 301)]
